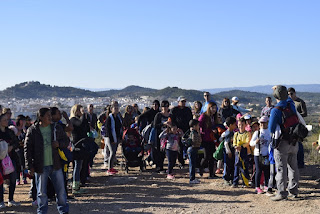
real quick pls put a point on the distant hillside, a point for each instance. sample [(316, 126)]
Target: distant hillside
[(266, 89), (244, 96), (35, 89)]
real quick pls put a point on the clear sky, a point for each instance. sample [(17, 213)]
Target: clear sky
[(159, 43)]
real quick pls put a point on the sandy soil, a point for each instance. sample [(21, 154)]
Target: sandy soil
[(149, 192)]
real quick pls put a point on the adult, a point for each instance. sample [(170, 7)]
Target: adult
[(113, 137), (235, 101), (92, 117), (206, 96), (226, 110), (135, 112), (13, 143), (160, 124), (181, 115), (79, 134), (43, 160), (302, 109), (8, 113), (285, 154), (197, 106), (267, 109), (128, 118), (148, 116), (207, 121)]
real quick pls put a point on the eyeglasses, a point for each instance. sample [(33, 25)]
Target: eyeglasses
[(165, 106), (291, 93)]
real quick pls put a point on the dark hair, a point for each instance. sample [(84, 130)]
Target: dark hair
[(19, 118), (199, 104), (156, 102), (242, 120), (230, 120), (41, 113), (269, 98), (165, 103), (53, 110), (2, 115), (291, 90), (225, 99), (193, 122)]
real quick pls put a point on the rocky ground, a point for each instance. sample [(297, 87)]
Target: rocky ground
[(149, 192)]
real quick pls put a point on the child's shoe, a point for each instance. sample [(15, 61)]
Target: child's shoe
[(258, 190), (110, 172), (170, 177), (13, 204), (195, 181), (17, 183)]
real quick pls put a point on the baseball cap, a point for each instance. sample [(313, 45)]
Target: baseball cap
[(181, 98), (236, 99), (263, 119)]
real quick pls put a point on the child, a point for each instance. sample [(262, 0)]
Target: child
[(241, 145), (169, 141), (228, 151), (194, 142), (261, 140)]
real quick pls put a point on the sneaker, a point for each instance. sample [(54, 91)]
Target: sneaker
[(170, 176), (2, 205), (292, 196), (234, 185), (269, 193), (13, 204), (258, 190), (226, 183), (278, 198), (110, 172), (17, 183), (114, 170), (265, 189), (218, 171), (34, 203), (206, 170), (25, 181), (195, 181)]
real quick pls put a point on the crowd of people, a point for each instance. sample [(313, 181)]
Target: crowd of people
[(253, 151)]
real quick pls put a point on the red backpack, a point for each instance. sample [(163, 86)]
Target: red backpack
[(289, 121)]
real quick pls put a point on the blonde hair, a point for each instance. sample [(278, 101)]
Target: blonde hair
[(74, 110)]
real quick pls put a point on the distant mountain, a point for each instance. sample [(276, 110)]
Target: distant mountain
[(313, 88)]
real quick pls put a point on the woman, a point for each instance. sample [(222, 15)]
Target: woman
[(13, 143), (226, 110), (128, 117), (197, 105), (41, 146), (79, 134), (160, 124), (113, 136), (209, 134)]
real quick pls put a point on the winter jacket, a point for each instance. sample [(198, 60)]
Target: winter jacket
[(181, 117), (34, 147)]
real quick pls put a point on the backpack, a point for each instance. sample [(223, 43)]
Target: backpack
[(186, 140), (291, 129)]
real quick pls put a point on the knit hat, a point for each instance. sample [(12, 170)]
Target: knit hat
[(280, 92)]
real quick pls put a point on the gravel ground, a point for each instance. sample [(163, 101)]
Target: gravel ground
[(149, 192)]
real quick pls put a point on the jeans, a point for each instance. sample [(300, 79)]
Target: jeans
[(112, 148), (12, 184), (300, 155), (58, 183), (192, 154), (172, 157), (259, 168), (77, 170), (228, 166)]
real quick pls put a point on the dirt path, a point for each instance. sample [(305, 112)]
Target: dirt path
[(149, 192)]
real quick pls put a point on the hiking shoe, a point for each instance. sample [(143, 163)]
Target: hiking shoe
[(2, 205), (34, 203), (170, 177), (258, 190), (269, 193), (13, 204), (278, 198), (195, 181)]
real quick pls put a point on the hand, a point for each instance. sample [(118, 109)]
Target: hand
[(230, 155), (55, 144), (314, 143)]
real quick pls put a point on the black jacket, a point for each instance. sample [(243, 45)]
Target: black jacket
[(181, 117), (34, 147)]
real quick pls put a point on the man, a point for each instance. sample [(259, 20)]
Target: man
[(181, 115), (285, 154), (235, 101), (302, 109), (42, 159), (206, 96), (92, 117), (267, 109)]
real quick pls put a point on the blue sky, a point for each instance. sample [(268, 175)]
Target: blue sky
[(183, 43)]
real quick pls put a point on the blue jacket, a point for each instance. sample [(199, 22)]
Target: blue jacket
[(276, 114)]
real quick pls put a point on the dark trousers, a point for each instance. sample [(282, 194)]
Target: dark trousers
[(300, 155), (172, 157), (157, 156), (209, 148), (259, 169), (192, 154), (12, 185), (228, 166)]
